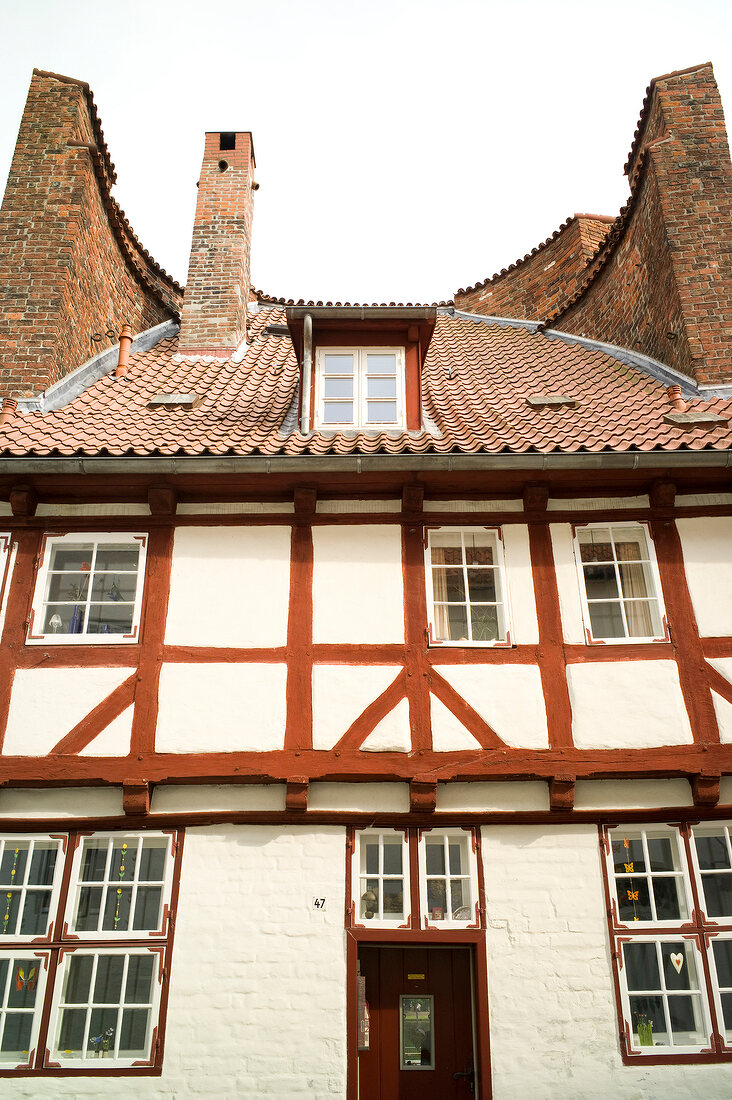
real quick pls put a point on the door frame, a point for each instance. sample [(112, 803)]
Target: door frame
[(474, 939)]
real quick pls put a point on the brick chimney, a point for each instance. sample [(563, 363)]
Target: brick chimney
[(215, 304)]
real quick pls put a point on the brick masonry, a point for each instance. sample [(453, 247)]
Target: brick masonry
[(70, 266), (217, 291)]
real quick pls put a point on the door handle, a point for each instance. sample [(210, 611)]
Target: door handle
[(469, 1074)]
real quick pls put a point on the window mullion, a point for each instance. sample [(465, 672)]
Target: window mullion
[(120, 1009), (619, 583), (464, 564)]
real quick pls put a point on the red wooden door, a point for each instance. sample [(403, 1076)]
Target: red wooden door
[(421, 1024)]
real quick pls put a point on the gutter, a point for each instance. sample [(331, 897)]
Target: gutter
[(361, 464)]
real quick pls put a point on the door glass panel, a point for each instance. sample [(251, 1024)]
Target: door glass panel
[(417, 1047)]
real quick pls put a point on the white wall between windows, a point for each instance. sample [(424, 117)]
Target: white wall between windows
[(520, 584), (73, 802), (216, 798), (627, 704), (595, 504), (221, 708), (48, 702), (707, 547), (358, 592), (565, 566), (229, 586)]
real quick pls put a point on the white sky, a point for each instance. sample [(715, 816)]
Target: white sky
[(404, 149)]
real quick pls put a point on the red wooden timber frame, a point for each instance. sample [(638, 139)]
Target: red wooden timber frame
[(697, 928), (474, 938), (703, 762), (58, 942)]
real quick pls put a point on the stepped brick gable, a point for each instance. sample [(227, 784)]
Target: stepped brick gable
[(72, 272)]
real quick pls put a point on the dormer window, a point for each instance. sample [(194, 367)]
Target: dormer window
[(360, 387)]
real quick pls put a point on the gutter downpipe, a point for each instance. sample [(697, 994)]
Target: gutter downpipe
[(307, 371)]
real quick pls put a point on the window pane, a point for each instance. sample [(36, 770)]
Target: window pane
[(456, 851), (459, 898), (667, 895), (380, 364), (661, 853), (108, 983), (448, 584), (338, 364), (436, 898), (140, 972), (723, 959), (457, 623), (152, 861), (71, 1034), (370, 898), (381, 387), (627, 850), (381, 412), (35, 912), (445, 550), (712, 852), (718, 894), (635, 580), (102, 1030), (633, 900), (67, 587), (393, 897), (628, 543), (338, 387), (338, 412), (595, 544), (435, 857), (10, 909), (117, 909), (87, 916), (479, 548), (641, 966), (72, 558), (482, 585), (685, 976), (24, 983), (133, 1034), (94, 861), (115, 587), (110, 619), (78, 979), (600, 582), (484, 621), (392, 858), (370, 857), (686, 1020), (649, 1021), (606, 620), (642, 618), (147, 907), (43, 864), (16, 1036), (118, 558)]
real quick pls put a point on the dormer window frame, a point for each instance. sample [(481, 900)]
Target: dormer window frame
[(360, 398)]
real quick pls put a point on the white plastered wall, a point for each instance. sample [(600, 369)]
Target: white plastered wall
[(627, 704), (358, 592), (509, 698), (46, 704), (565, 567), (221, 708), (341, 693), (707, 547), (229, 586), (554, 1028), (520, 584)]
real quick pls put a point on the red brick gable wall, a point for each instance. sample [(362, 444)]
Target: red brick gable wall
[(664, 284), (70, 266), (543, 281)]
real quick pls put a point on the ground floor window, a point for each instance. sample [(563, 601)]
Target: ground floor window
[(84, 949), (670, 910)]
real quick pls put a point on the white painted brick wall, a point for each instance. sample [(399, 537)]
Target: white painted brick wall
[(554, 1030)]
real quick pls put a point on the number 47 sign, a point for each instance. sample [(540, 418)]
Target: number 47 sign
[(318, 903)]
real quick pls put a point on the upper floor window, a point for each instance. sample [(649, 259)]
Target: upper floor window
[(89, 589), (619, 583), (360, 387), (84, 949), (466, 586)]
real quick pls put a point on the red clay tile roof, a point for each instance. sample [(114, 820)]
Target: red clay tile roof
[(477, 377)]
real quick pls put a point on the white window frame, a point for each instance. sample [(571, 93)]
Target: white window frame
[(657, 594), (500, 567), (682, 875), (77, 884), (42, 958), (472, 877), (90, 1060), (361, 836), (11, 841), (718, 988), (625, 994), (360, 420), (710, 828), (8, 551), (98, 539)]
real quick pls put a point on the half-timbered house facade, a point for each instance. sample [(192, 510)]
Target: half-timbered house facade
[(366, 670)]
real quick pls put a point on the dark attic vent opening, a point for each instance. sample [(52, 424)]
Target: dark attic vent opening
[(277, 330), (227, 141)]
